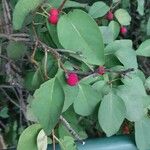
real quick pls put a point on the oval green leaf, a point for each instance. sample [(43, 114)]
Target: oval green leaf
[(85, 36), (98, 9), (22, 8), (48, 103), (123, 16), (27, 140), (144, 49), (142, 133), (115, 28), (42, 140), (111, 113), (86, 100)]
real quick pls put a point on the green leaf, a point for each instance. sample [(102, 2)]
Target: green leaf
[(48, 103), (102, 87), (144, 49), (22, 9), (116, 45), (98, 9), (68, 4), (134, 99), (86, 100), (115, 28), (125, 55), (123, 16), (42, 140), (4, 112), (142, 133), (147, 83), (37, 79), (70, 92), (140, 8), (53, 32), (148, 27), (85, 34), (67, 143), (28, 138), (111, 113), (106, 34), (16, 50)]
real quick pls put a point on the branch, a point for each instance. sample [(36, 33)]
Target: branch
[(71, 130), (62, 5)]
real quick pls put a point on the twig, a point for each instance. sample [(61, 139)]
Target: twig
[(53, 137), (8, 97), (71, 130), (62, 5), (53, 52), (45, 66), (16, 37), (122, 72), (7, 17)]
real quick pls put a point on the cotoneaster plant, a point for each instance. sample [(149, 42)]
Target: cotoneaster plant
[(83, 79)]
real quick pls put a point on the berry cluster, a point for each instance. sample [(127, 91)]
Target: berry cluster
[(53, 16), (72, 77), (110, 17)]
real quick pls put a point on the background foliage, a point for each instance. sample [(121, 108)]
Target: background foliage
[(36, 103)]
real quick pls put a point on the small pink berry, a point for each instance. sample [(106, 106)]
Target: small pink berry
[(101, 70), (126, 130), (53, 19), (72, 79), (110, 16), (123, 30), (54, 12)]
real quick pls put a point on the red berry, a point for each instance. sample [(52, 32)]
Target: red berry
[(53, 19), (101, 70), (110, 16), (54, 12), (126, 130), (123, 30), (72, 79)]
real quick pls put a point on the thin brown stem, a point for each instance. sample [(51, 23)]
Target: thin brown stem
[(62, 5)]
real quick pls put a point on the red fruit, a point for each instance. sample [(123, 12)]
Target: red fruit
[(123, 30), (72, 79), (54, 12), (53, 19), (101, 70), (110, 16), (126, 130)]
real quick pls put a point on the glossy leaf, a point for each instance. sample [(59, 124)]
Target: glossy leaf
[(16, 50), (123, 16), (86, 100), (85, 34), (147, 83), (48, 103), (144, 49), (125, 55), (148, 27), (70, 92), (134, 99), (42, 140), (67, 143), (22, 9), (115, 28), (106, 34), (140, 7), (116, 45), (28, 138), (111, 113), (142, 133), (98, 9)]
